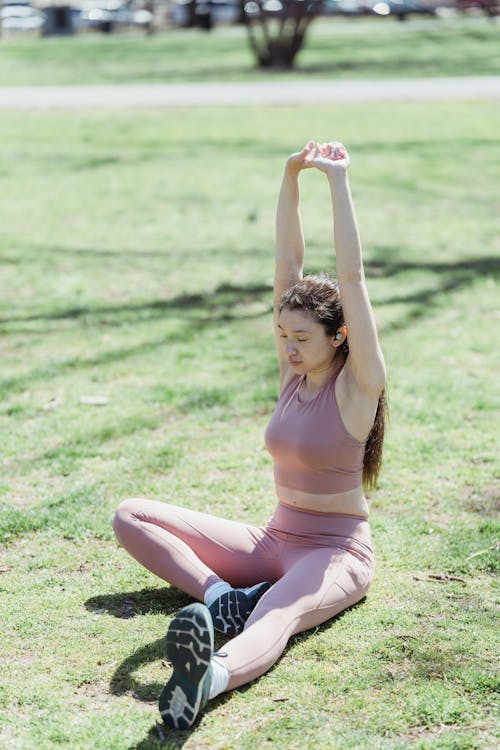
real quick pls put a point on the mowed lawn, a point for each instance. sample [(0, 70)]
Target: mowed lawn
[(335, 48), (138, 359)]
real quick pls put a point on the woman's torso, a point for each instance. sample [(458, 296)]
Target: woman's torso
[(318, 464)]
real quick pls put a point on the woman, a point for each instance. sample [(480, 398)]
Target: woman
[(314, 558)]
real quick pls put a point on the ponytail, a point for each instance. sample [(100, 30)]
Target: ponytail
[(372, 460)]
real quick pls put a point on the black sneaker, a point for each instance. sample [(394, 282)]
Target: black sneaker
[(231, 610), (190, 645)]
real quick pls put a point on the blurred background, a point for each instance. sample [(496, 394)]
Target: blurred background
[(48, 18)]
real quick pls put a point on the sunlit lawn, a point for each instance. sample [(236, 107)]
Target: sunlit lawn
[(137, 259), (335, 48)]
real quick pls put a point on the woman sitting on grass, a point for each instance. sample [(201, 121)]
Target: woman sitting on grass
[(314, 558)]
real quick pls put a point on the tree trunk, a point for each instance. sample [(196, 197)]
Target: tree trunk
[(277, 29)]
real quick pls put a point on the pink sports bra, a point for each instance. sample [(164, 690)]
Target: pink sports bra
[(312, 450)]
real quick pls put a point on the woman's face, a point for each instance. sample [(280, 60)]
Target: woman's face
[(305, 343)]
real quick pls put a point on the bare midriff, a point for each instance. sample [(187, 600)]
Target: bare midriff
[(350, 503)]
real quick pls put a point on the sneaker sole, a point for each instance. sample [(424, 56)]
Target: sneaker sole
[(234, 608), (190, 646)]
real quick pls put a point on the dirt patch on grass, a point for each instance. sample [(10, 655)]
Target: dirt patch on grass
[(485, 502), (9, 735), (95, 695), (26, 492), (482, 730)]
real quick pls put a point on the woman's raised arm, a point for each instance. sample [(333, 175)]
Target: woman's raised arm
[(289, 234), (365, 362), (290, 245)]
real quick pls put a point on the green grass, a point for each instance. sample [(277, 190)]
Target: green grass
[(335, 48), (137, 263)]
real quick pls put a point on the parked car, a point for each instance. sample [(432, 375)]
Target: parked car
[(342, 8), (489, 7), (21, 16), (399, 8), (206, 13), (106, 15)]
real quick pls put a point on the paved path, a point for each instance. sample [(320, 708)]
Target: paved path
[(250, 92)]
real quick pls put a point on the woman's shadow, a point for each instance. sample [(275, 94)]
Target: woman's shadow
[(131, 604), (167, 601)]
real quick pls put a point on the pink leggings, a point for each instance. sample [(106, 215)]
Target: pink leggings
[(319, 564)]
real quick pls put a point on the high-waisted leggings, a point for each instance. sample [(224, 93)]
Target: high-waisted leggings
[(319, 564)]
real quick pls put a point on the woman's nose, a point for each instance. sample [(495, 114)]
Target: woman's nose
[(290, 347)]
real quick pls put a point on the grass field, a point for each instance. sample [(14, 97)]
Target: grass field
[(335, 48), (136, 263)]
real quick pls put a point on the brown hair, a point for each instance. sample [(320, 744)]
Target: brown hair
[(319, 295)]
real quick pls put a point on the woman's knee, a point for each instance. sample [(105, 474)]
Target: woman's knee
[(275, 617), (125, 513)]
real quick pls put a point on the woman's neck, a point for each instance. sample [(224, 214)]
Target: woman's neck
[(315, 381)]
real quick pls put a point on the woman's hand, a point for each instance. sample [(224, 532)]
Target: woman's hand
[(329, 158), (301, 159)]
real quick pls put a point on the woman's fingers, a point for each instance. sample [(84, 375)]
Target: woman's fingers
[(327, 156), (319, 155), (301, 159), (334, 150), (308, 151), (313, 152)]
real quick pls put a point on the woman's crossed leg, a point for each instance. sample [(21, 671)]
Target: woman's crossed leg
[(193, 550), (317, 585)]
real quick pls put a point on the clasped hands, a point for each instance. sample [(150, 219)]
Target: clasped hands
[(327, 157)]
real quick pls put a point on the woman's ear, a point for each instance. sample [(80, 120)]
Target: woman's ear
[(340, 336)]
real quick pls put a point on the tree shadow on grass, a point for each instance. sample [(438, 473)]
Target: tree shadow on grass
[(217, 303), (228, 301), (233, 302), (450, 278), (192, 312), (397, 66), (124, 681), (382, 266)]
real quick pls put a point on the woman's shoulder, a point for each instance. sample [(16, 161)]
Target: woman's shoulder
[(289, 385)]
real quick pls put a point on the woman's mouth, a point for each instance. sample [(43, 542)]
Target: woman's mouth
[(294, 362)]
